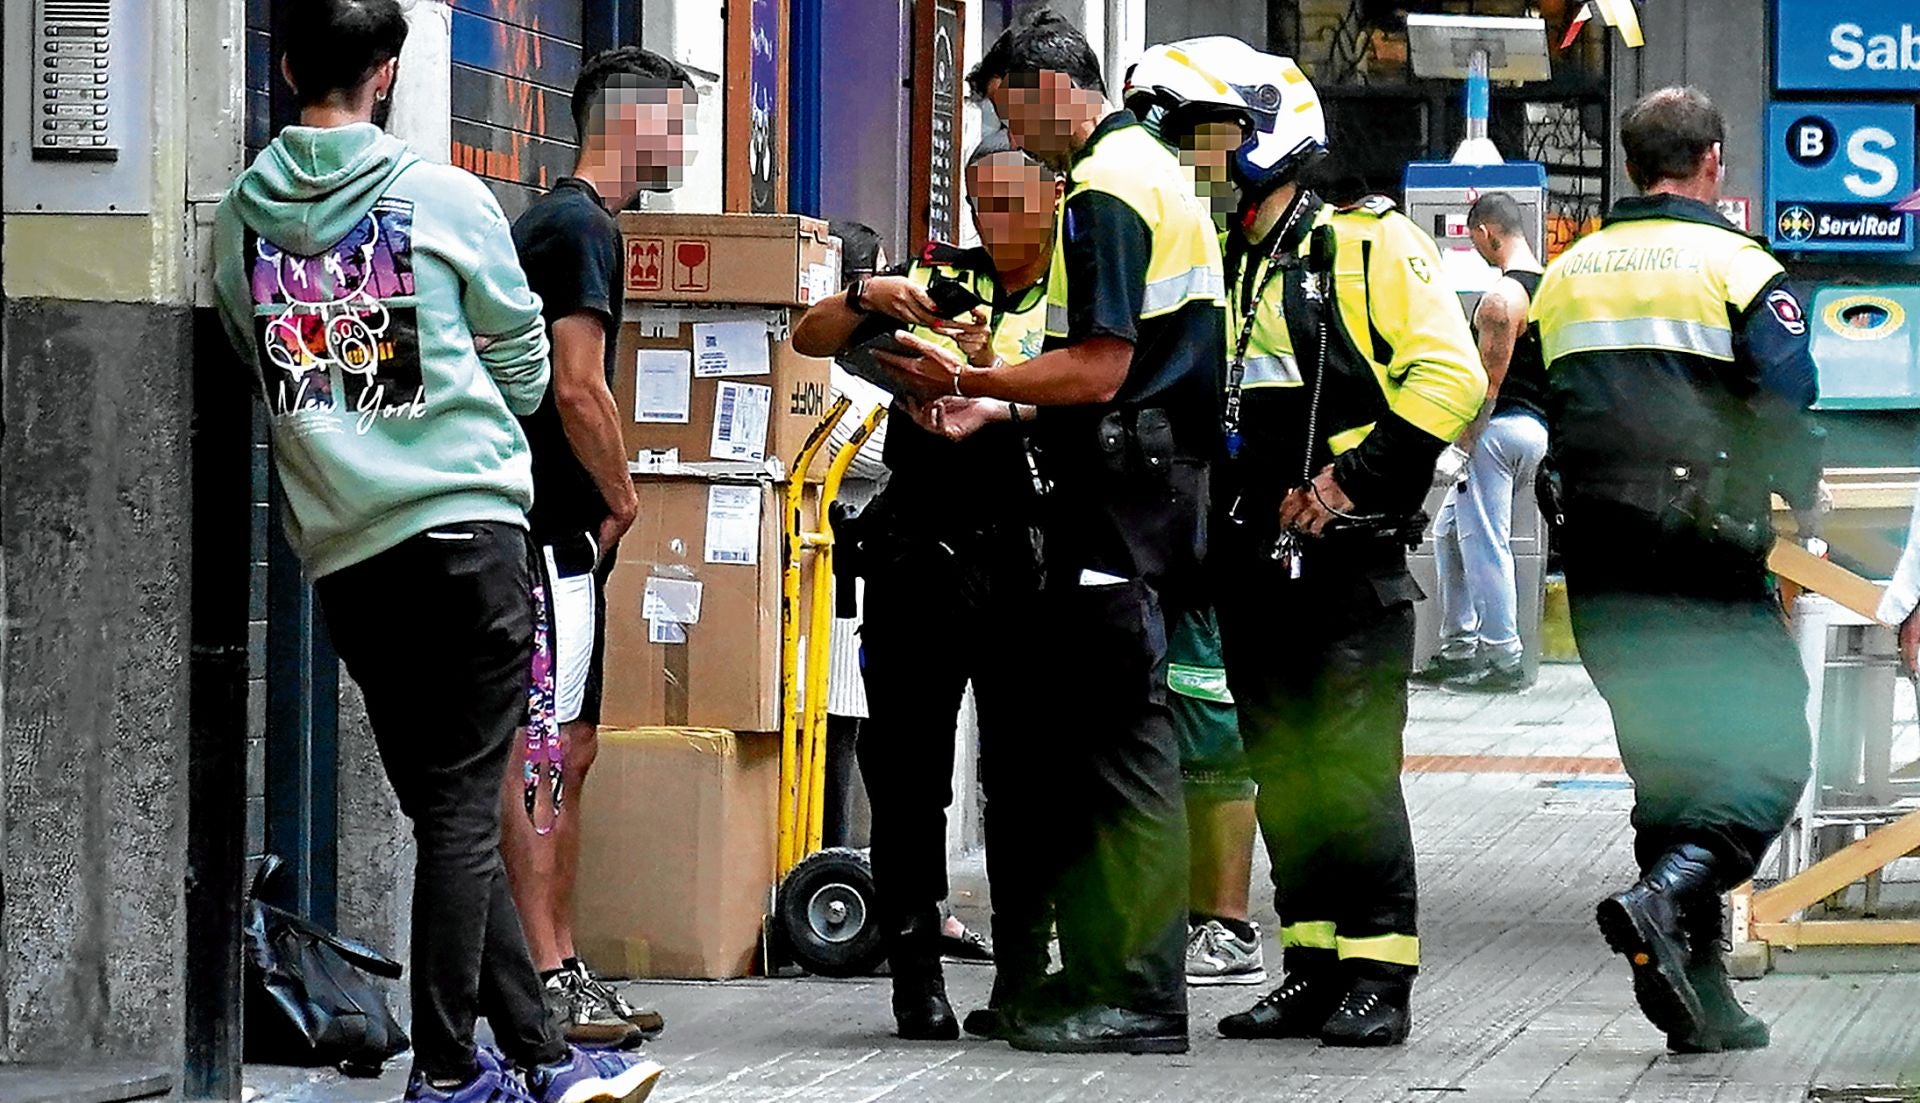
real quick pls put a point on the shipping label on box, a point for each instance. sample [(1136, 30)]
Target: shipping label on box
[(740, 412), (663, 387), (733, 525), (731, 348)]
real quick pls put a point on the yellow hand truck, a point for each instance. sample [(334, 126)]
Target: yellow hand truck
[(823, 916)]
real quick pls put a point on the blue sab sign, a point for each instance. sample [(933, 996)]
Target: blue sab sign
[(1856, 46), (1834, 173)]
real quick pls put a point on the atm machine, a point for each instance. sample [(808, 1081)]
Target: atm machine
[(1478, 50)]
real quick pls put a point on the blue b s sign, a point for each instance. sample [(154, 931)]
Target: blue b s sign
[(1834, 173)]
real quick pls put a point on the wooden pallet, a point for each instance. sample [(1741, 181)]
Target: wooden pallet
[(1769, 918)]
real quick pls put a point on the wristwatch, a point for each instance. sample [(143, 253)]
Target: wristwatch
[(856, 296)]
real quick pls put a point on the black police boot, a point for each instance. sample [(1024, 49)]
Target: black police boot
[(1646, 925), (920, 1007), (1375, 1010), (1728, 1025), (1300, 1006), (1021, 986), (1102, 1030)]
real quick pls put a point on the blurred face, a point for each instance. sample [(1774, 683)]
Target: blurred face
[(1039, 110), (1013, 207), (1208, 151), (647, 135)]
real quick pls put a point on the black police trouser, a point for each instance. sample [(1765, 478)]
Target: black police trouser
[(1118, 807), (1319, 667), (922, 641), (1687, 644)]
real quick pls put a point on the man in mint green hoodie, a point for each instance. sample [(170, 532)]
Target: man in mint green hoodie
[(379, 299)]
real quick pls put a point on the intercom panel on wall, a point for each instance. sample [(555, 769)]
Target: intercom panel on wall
[(79, 106)]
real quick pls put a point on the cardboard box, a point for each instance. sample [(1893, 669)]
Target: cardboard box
[(764, 259), (677, 853), (717, 384), (693, 607)]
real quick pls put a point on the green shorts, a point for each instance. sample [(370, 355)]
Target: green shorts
[(1213, 760)]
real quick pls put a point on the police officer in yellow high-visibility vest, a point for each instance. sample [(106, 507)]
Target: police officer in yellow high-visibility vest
[(1351, 368), (957, 516), (1128, 390), (1679, 376)]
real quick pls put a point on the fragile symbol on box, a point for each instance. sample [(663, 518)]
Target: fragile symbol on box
[(645, 255), (692, 265)]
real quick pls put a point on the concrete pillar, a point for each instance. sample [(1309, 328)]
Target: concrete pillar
[(423, 102), (693, 33), (96, 387)]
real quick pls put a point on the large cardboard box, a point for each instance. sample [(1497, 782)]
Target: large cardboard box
[(716, 384), (693, 607), (765, 259), (677, 852)]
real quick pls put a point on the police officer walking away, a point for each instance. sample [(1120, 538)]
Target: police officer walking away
[(1351, 369), (1678, 376), (1128, 387)]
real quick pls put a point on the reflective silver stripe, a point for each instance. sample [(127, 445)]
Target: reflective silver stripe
[(1056, 320), (1168, 294), (1271, 371), (1670, 334)]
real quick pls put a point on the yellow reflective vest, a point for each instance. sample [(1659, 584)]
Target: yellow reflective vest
[(1672, 341), (1400, 348), (1131, 165)]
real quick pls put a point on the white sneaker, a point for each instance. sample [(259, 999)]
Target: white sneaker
[(1215, 955)]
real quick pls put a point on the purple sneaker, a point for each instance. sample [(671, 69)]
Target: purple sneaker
[(594, 1076), (492, 1084)]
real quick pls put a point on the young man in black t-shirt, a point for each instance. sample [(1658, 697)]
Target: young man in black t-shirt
[(632, 108)]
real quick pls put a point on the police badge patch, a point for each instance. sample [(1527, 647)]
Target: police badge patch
[(1787, 308), (1421, 268)]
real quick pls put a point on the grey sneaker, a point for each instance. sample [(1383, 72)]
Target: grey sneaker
[(1215, 955), (586, 1019), (649, 1022)]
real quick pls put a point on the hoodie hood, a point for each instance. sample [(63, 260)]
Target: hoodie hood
[(312, 186)]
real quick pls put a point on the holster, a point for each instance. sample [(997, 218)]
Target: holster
[(881, 538), (1135, 442), (1687, 499), (1405, 529)]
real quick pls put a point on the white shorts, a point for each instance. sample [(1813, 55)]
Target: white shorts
[(578, 642)]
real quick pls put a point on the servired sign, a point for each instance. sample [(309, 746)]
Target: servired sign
[(1835, 173)]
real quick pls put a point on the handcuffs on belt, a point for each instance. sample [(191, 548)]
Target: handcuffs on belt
[(1289, 549)]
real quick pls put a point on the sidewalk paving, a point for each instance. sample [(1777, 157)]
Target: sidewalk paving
[(1519, 1000)]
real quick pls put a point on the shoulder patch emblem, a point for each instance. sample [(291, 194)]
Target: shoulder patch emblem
[(1421, 268), (1787, 309)]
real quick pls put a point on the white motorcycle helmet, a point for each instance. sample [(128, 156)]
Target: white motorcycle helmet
[(1172, 93), (1203, 78)]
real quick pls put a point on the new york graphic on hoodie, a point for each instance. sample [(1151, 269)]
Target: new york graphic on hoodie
[(380, 301)]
